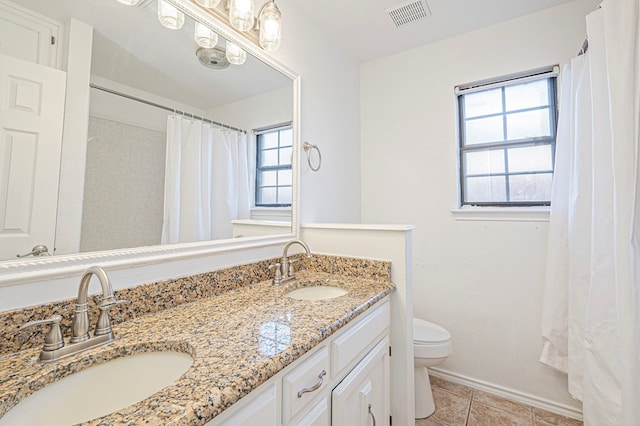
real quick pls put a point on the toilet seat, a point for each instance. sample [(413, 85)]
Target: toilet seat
[(425, 332), (430, 340)]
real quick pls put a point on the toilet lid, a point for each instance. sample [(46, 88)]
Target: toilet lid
[(428, 332)]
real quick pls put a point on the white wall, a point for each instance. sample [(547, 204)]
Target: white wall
[(330, 118), (481, 280)]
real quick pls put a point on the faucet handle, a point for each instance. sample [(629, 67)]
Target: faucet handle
[(277, 279), (103, 326), (292, 269), (53, 339)]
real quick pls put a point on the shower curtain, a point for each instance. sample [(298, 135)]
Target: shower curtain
[(206, 181), (591, 318)]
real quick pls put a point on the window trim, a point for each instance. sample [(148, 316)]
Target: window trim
[(462, 148)]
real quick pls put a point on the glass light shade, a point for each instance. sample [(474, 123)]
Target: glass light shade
[(169, 16), (204, 36), (208, 3), (270, 27), (235, 55), (242, 14), (129, 2)]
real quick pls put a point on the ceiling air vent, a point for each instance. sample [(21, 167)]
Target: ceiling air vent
[(408, 12)]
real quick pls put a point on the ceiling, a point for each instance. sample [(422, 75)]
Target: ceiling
[(121, 54), (364, 28)]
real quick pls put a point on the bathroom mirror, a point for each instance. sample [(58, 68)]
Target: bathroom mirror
[(142, 75)]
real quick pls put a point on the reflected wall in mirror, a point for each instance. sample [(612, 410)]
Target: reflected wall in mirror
[(104, 146)]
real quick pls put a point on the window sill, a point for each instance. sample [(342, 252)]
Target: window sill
[(271, 213), (502, 214)]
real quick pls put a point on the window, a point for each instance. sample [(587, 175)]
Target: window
[(274, 179), (507, 140)]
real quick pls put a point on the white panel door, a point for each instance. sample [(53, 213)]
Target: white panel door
[(362, 398), (31, 116), (27, 35)]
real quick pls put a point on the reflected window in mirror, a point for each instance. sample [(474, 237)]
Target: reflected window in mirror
[(274, 181)]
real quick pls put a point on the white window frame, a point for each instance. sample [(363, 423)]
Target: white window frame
[(509, 210)]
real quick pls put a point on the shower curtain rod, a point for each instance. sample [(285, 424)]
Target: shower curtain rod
[(166, 108)]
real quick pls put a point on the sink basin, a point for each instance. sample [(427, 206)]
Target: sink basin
[(99, 390), (317, 292)]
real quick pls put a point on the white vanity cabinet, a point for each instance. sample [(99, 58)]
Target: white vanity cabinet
[(344, 381)]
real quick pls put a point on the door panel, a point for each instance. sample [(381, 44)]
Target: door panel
[(31, 117)]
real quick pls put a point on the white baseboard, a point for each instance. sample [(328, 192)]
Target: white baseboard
[(524, 398)]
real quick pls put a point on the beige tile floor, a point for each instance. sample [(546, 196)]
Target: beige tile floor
[(458, 405)]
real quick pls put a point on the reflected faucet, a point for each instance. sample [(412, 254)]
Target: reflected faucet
[(285, 270), (54, 347), (80, 327)]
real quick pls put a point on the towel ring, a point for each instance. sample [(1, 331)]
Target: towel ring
[(307, 148)]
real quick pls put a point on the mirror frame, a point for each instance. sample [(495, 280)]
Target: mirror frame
[(14, 272)]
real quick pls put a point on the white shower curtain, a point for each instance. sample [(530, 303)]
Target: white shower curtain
[(206, 181), (591, 318)]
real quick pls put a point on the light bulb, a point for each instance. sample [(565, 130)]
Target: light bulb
[(169, 16), (208, 3), (129, 2), (241, 14), (204, 36), (270, 27), (235, 55)]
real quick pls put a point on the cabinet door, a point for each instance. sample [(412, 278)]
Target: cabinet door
[(261, 409), (362, 398)]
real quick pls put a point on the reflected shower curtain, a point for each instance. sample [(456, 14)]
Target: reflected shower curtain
[(206, 181), (591, 317)]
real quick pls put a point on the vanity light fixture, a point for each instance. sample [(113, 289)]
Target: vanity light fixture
[(169, 16), (242, 14), (235, 55), (129, 2), (270, 22), (208, 3), (204, 36)]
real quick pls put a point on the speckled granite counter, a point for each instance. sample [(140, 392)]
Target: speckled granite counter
[(233, 338)]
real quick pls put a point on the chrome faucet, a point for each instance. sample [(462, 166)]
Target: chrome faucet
[(285, 270), (54, 347)]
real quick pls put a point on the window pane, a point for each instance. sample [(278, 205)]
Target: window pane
[(527, 95), (269, 140), (485, 189), (530, 159), (268, 195), (284, 195), (268, 178), (286, 138), (269, 158), (285, 156), (484, 130), (285, 177), (530, 187), (530, 124), (483, 103), (484, 162)]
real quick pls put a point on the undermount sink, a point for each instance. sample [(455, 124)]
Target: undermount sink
[(99, 390), (317, 292)]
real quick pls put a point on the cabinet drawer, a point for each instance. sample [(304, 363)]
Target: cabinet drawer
[(307, 380), (319, 415), (346, 348)]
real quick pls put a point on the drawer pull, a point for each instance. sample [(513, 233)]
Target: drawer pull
[(372, 416), (314, 387)]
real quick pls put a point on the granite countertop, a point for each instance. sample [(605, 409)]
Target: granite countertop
[(238, 339)]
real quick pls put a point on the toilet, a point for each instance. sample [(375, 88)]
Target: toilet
[(431, 346)]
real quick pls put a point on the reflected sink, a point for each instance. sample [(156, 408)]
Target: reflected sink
[(99, 390), (318, 292)]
